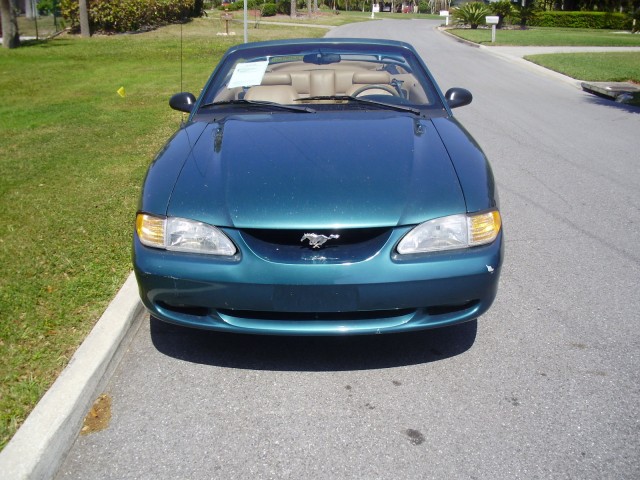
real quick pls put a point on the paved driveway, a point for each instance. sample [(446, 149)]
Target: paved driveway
[(546, 385)]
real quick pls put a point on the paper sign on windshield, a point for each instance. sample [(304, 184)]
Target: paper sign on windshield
[(248, 74)]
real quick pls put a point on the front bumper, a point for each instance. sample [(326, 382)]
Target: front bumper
[(381, 294)]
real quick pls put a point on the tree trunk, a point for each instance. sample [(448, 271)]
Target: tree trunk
[(293, 9), (10, 34), (85, 30)]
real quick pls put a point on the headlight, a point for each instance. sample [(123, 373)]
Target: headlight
[(182, 235), (452, 232)]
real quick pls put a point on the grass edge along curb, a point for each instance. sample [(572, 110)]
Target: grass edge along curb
[(40, 445)]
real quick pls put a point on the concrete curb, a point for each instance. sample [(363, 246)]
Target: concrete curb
[(621, 92), (458, 39), (39, 447)]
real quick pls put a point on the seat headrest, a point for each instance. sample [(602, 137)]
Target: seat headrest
[(371, 77), (276, 79)]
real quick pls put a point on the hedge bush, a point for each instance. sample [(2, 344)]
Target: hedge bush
[(48, 7), (601, 20), (284, 7), (269, 10), (239, 5), (234, 6), (118, 16)]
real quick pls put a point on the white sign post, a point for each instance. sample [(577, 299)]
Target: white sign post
[(246, 39), (493, 21), (445, 14)]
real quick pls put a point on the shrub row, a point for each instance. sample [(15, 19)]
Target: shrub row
[(255, 5), (603, 20), (234, 6), (118, 16)]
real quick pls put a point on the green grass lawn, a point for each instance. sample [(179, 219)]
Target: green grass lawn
[(541, 36), (594, 67), (72, 157)]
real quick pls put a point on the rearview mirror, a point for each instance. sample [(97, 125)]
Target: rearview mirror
[(183, 102), (458, 97), (321, 58)]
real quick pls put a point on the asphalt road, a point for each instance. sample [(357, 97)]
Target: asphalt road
[(545, 385)]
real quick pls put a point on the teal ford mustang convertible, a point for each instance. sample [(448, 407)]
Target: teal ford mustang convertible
[(319, 187)]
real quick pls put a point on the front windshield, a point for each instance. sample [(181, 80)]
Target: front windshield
[(322, 77)]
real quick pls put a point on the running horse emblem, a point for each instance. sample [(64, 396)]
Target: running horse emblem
[(316, 241)]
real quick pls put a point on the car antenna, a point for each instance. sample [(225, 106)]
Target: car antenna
[(181, 49), (181, 55)]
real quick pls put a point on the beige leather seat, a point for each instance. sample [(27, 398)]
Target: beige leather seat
[(283, 94), (275, 87), (322, 83)]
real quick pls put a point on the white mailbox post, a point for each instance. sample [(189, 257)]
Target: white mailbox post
[(375, 8), (445, 14), (493, 21)]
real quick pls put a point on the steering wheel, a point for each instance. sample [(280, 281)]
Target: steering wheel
[(386, 88)]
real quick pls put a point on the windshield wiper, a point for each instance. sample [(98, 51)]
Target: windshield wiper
[(348, 98), (262, 104)]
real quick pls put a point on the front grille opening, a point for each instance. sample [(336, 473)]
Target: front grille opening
[(351, 236), (287, 246), (315, 316)]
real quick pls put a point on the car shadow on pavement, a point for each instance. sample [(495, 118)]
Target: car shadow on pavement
[(282, 353)]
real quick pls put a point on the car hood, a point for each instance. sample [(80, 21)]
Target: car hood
[(299, 171)]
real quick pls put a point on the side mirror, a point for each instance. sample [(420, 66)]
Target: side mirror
[(458, 97), (183, 102)]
